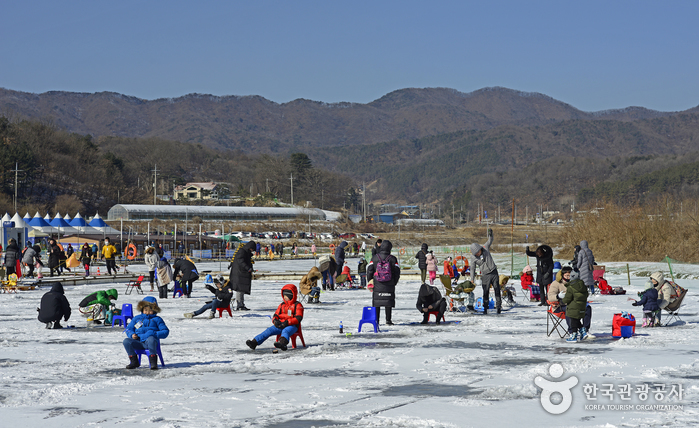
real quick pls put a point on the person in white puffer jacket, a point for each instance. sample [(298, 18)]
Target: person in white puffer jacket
[(152, 259)]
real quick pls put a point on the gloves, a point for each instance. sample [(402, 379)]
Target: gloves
[(279, 324), (490, 232)]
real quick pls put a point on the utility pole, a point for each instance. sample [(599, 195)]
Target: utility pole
[(292, 189), (17, 170), (364, 200), (155, 185)]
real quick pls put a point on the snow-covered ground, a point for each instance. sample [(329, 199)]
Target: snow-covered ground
[(472, 371)]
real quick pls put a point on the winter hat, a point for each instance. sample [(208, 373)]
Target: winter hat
[(658, 276), (475, 248), (557, 265), (288, 293), (527, 269), (648, 285), (148, 301), (574, 275)]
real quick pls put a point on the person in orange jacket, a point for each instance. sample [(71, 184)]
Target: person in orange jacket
[(286, 320), (448, 268)]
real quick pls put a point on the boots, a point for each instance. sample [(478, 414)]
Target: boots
[(573, 337), (645, 322), (499, 310), (212, 314), (189, 315), (485, 311), (583, 333), (252, 344), (57, 324), (426, 317), (133, 362), (153, 359), (281, 344)]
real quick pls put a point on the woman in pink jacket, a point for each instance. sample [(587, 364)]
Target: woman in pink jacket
[(431, 266)]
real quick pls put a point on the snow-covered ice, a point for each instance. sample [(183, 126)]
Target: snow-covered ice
[(472, 371)]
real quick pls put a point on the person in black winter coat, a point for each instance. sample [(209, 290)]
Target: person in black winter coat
[(544, 269), (54, 257), (574, 262), (223, 293), (651, 305), (340, 256), (189, 274), (241, 270), (429, 299), (54, 306), (375, 248), (12, 254), (421, 257), (384, 293)]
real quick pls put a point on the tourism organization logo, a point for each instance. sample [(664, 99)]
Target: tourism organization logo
[(562, 387), (557, 394)]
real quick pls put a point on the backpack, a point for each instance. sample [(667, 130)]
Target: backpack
[(383, 270), (324, 263)]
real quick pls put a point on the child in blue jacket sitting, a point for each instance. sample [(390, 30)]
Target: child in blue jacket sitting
[(144, 332), (651, 307)]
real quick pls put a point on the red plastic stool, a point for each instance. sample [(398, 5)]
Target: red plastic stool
[(293, 338), (436, 314), (227, 308)]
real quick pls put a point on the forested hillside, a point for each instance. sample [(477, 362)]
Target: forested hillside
[(63, 171), (253, 124)]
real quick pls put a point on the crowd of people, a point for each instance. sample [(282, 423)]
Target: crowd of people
[(565, 289)]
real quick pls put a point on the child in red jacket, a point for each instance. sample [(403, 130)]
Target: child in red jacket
[(527, 279), (286, 320)]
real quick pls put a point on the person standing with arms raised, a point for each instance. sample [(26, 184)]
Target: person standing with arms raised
[(489, 272)]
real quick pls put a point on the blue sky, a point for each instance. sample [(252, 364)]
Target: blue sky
[(594, 55)]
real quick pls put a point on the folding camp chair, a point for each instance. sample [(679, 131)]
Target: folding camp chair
[(673, 308), (555, 321), (454, 302), (134, 284)]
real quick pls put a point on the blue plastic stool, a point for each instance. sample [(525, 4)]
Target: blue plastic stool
[(126, 314), (177, 289), (209, 280), (479, 304), (140, 352), (369, 317)]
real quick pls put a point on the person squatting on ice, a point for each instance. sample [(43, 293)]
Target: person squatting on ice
[(287, 320), (489, 272), (54, 306), (144, 332), (429, 299)]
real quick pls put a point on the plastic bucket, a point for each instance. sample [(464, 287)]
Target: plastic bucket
[(626, 331)]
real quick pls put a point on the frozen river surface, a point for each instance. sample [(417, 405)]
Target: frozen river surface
[(473, 370)]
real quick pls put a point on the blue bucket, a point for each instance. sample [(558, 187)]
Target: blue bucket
[(626, 330)]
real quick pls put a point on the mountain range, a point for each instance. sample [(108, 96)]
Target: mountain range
[(433, 145), (254, 124)]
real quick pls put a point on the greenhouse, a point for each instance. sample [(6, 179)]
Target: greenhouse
[(206, 213)]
